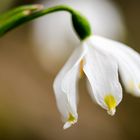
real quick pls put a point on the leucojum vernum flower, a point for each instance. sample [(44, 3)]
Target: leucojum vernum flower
[(101, 60)]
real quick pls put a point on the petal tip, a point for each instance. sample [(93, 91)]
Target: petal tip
[(110, 101), (67, 125), (111, 112), (71, 120), (111, 104)]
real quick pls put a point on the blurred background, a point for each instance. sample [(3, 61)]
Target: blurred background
[(32, 55)]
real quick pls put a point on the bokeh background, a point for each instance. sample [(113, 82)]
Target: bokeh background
[(32, 55)]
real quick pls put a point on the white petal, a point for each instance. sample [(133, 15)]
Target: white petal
[(102, 72), (67, 125), (65, 87), (128, 60), (90, 90)]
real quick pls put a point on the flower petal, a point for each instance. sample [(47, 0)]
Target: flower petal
[(102, 73), (65, 88), (128, 60)]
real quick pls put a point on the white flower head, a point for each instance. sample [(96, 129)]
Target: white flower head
[(102, 60)]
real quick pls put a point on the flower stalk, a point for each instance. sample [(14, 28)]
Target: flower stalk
[(17, 17), (17, 10)]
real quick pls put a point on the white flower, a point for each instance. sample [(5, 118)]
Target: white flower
[(101, 60)]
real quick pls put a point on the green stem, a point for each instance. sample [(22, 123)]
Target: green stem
[(6, 26), (80, 23), (15, 11)]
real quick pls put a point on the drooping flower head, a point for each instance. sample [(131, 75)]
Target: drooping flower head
[(102, 61), (101, 70)]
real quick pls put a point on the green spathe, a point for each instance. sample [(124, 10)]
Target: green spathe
[(81, 25)]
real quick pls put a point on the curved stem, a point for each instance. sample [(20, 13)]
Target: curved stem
[(80, 23), (52, 10), (20, 9)]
